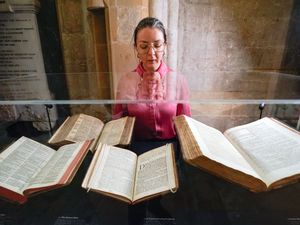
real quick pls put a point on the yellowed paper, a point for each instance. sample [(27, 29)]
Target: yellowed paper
[(21, 162), (114, 171), (113, 131), (269, 147), (154, 172)]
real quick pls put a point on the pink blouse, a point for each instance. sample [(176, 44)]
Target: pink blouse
[(154, 119)]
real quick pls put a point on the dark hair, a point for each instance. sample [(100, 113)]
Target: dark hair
[(152, 23)]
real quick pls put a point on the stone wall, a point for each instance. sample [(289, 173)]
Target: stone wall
[(227, 49), (85, 52), (97, 47)]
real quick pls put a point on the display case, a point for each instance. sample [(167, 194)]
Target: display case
[(232, 63), (202, 198)]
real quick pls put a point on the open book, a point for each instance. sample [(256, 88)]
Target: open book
[(28, 167), (81, 127), (123, 175), (261, 155)]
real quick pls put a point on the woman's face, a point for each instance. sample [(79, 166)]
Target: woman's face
[(150, 45)]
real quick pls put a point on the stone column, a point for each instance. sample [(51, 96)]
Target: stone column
[(159, 10), (173, 7), (22, 72), (167, 12)]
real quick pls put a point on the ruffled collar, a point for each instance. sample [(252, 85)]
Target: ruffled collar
[(163, 69)]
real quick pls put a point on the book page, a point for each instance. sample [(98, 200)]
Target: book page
[(63, 131), (57, 166), (112, 131), (215, 146), (21, 162), (155, 172), (114, 171), (272, 148), (91, 168), (85, 128)]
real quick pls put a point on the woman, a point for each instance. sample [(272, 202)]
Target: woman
[(152, 81)]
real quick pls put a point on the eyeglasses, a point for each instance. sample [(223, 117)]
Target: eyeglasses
[(143, 48)]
